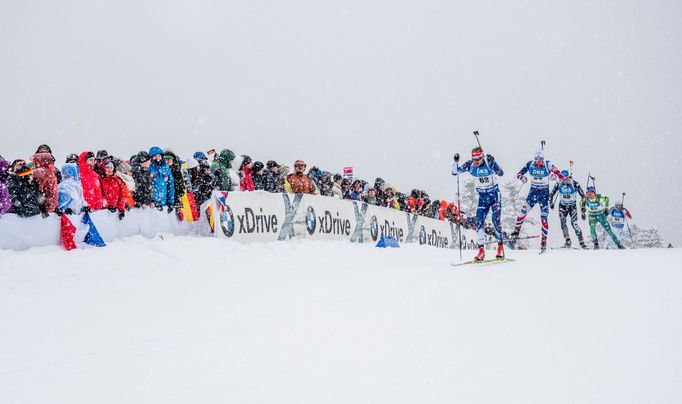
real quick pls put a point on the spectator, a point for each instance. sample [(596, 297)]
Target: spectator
[(124, 172), (163, 188), (24, 192), (173, 162), (355, 190), (370, 197), (113, 190), (201, 178), (380, 187), (284, 179), (223, 164), (390, 200), (337, 192), (46, 180), (245, 172), (326, 184), (271, 181), (101, 159), (142, 193), (43, 148), (92, 189), (300, 183), (258, 176), (5, 199), (70, 190)]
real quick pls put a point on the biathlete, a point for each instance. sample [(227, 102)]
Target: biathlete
[(569, 190), (617, 217), (540, 171), (597, 209), (483, 170)]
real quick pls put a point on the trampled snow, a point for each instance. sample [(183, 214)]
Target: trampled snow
[(180, 320)]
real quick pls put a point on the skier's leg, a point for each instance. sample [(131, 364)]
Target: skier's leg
[(563, 211), (607, 227), (497, 211), (481, 213), (576, 227), (527, 206), (543, 200), (593, 230)]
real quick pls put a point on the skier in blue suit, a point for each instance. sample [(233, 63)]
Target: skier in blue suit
[(483, 170), (541, 172)]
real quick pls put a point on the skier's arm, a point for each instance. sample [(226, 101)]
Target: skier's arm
[(554, 170), (627, 213), (497, 169), (554, 191), (578, 189), (456, 170), (606, 204), (523, 171)]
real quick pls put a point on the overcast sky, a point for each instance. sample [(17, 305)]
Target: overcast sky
[(390, 88)]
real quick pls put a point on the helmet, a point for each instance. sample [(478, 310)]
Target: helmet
[(565, 173), (590, 189), (539, 154)]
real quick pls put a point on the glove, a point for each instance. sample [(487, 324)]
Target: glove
[(582, 215), (170, 208), (160, 208), (522, 178), (121, 215), (112, 209), (456, 157), (68, 211), (86, 209), (490, 159), (44, 214), (58, 212), (551, 206)]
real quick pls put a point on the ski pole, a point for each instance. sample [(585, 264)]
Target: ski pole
[(459, 210), (632, 240)]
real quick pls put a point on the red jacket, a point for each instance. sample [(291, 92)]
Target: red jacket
[(46, 179), (113, 192), (92, 190), (247, 184)]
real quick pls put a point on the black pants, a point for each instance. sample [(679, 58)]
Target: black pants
[(572, 211)]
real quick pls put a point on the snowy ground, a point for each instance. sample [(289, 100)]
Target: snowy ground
[(186, 320)]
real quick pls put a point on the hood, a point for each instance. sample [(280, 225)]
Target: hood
[(4, 167), (42, 160), (70, 170), (226, 157), (154, 150)]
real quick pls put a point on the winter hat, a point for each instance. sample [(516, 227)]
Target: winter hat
[(337, 177), (154, 150), (257, 166), (270, 164), (565, 173), (109, 164), (379, 182), (89, 155), (192, 163), (245, 160), (539, 154), (102, 155), (226, 157), (143, 156), (297, 162), (43, 148), (72, 158), (199, 156), (123, 167), (23, 171)]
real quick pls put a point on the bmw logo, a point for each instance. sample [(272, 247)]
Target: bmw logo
[(310, 220), (374, 228), (227, 221)]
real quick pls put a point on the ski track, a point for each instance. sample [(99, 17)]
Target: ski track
[(205, 320)]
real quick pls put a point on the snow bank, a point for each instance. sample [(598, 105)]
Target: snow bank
[(184, 320)]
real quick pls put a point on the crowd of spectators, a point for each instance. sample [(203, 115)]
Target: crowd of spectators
[(158, 179)]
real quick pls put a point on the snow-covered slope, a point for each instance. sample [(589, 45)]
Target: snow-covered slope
[(179, 320)]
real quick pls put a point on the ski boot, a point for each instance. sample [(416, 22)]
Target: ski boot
[(500, 251), (620, 246), (582, 244), (512, 240), (596, 245), (481, 254), (567, 244), (543, 247)]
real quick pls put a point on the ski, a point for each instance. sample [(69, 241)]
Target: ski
[(482, 263)]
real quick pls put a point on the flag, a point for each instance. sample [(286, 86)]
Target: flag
[(92, 237), (348, 172), (68, 230)]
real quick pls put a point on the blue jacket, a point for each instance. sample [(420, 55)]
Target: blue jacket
[(70, 189), (163, 191)]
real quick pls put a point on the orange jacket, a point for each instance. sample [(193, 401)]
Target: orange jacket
[(301, 184)]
